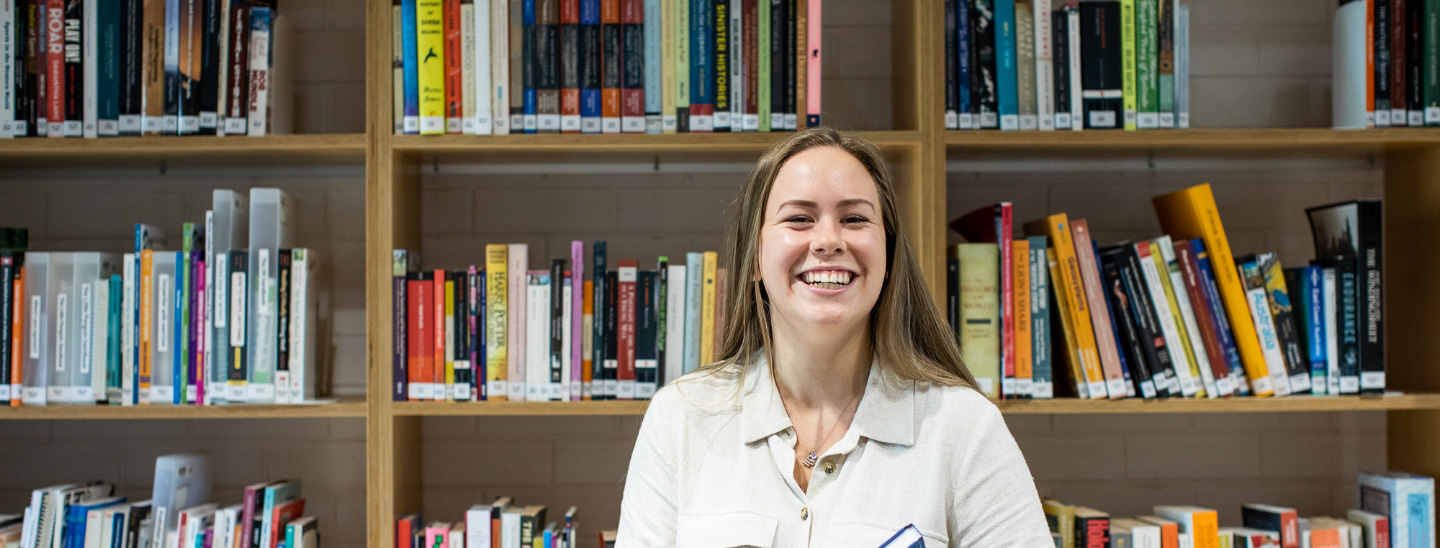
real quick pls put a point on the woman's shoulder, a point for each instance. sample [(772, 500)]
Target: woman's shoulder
[(706, 392), (956, 403)]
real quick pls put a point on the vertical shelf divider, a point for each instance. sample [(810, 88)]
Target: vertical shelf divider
[(1412, 201)]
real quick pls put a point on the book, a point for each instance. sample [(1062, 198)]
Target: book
[(1280, 520), (628, 311), (1264, 323), (1072, 303), (1297, 365), (1351, 231), (980, 330), (1200, 523), (1102, 65), (430, 54)]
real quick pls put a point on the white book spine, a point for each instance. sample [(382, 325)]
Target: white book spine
[(1044, 66), (8, 42), (100, 356), (466, 118), (258, 116), (1186, 383), (481, 70), (58, 390), (516, 343), (1187, 315), (674, 324), (563, 391), (1269, 343), (302, 327), (1077, 90), (477, 527), (1182, 66), (260, 387), (83, 389), (88, 42), (537, 337), (500, 65), (127, 331), (737, 66)]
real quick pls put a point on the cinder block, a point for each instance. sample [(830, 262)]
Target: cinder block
[(1173, 456), (475, 463), (602, 462), (446, 211), (1076, 458), (340, 465)]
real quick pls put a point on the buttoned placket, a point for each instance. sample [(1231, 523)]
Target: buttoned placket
[(825, 473)]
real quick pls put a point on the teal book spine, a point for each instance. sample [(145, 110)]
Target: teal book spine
[(1007, 79), (113, 341), (694, 272), (181, 308), (1042, 370), (108, 69)]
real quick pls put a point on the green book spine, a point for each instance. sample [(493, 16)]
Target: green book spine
[(763, 52), (1147, 64), (1165, 34), (1432, 63), (182, 301), (1127, 60)]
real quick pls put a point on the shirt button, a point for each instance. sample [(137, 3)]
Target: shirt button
[(830, 468), (804, 514)]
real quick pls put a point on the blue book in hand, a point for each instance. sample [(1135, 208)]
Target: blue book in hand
[(909, 537)]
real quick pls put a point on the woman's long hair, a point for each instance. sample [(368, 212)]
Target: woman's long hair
[(907, 333)]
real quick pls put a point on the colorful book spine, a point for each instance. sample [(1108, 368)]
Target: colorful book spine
[(547, 67), (707, 309), (681, 23), (496, 321), (1165, 62), (1147, 69), (1277, 293), (1006, 60), (529, 66), (454, 61), (570, 63), (1260, 316), (702, 69), (1204, 318), (1024, 359), (668, 46), (720, 61), (601, 297), (1109, 355), (980, 331), (653, 66), (612, 62), (591, 66), (1220, 316), (647, 366), (1185, 321), (1042, 383), (430, 43), (632, 69), (1129, 61)]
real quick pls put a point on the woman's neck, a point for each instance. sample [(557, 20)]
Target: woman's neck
[(821, 369)]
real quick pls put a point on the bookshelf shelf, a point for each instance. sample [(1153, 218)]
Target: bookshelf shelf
[(351, 408), (1071, 406), (580, 408), (274, 150), (1267, 139)]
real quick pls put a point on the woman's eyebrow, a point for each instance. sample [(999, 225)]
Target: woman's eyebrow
[(842, 204)]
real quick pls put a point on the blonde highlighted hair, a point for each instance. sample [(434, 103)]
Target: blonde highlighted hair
[(908, 335)]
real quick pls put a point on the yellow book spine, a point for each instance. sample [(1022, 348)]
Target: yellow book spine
[(707, 309), (980, 313), (1127, 60), (1191, 213), (1177, 316), (1071, 345), (1023, 358), (497, 288), (449, 340), (667, 67), (1058, 228), (430, 39), (147, 297)]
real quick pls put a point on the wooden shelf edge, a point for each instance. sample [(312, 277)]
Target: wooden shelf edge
[(343, 409), (689, 142), (1192, 138), (522, 408), (1068, 406), (326, 143)]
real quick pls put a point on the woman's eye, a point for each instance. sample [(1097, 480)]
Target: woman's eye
[(798, 219), (856, 219)]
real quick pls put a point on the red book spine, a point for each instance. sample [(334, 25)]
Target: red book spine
[(55, 66), (570, 66), (1382, 533), (1003, 238), (611, 66), (283, 514), (752, 64), (632, 92), (418, 336), (1398, 34), (437, 354), (625, 367), (454, 85), (1190, 271), (403, 538)]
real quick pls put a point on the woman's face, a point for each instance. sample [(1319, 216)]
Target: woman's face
[(822, 242)]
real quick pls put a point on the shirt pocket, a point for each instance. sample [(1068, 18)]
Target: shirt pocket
[(866, 535), (725, 530)]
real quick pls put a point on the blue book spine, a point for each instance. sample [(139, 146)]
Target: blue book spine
[(652, 69), (1418, 505), (1040, 370), (1006, 79), (590, 66), (1313, 311), (412, 67), (962, 55), (694, 274), (117, 531), (527, 48), (182, 271), (701, 41), (597, 338), (1222, 323)]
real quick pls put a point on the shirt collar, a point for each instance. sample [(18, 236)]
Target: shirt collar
[(886, 413)]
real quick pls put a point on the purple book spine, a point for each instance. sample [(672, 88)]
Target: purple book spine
[(477, 368), (199, 319), (577, 313), (192, 386)]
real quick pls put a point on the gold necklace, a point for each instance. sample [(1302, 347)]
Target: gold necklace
[(812, 457)]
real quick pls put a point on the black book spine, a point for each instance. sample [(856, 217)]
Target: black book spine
[(591, 59), (1122, 309), (7, 304), (612, 352), (1414, 60), (1101, 64), (1297, 363), (598, 321), (25, 39), (1347, 282), (662, 301), (557, 320), (632, 67), (238, 78), (210, 63), (1147, 323), (480, 391), (131, 105), (547, 65), (1260, 519), (952, 67), (1381, 31), (645, 328), (282, 322), (952, 294), (464, 376), (789, 23), (399, 373), (192, 51), (777, 65), (239, 311), (74, 68), (1372, 328), (1060, 42), (982, 28)]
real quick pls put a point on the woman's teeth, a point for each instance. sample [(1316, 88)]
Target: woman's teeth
[(827, 279)]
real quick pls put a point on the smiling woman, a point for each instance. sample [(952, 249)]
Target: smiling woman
[(833, 358)]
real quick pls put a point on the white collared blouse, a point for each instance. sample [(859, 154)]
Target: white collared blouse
[(713, 467)]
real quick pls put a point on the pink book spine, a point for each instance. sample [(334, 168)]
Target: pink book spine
[(577, 313), (201, 373), (812, 78), (1007, 292), (247, 516)]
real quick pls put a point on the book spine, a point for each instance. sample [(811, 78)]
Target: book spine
[(519, 60), (957, 64), (1060, 41), (89, 69), (468, 66), (980, 316), (1221, 319), (646, 333), (192, 31), (790, 41), (262, 44), (1204, 319), (1156, 352), (750, 51), (1024, 365), (17, 342), (1147, 77), (480, 71), (707, 309), (668, 46), (1311, 325), (107, 72), (55, 27), (702, 57), (1372, 341), (652, 19), (764, 44), (1414, 61), (1380, 29), (1152, 264), (555, 342), (237, 111), (680, 21), (694, 303), (1398, 72), (778, 62), (454, 36), (530, 67), (1329, 315), (1042, 385), (1185, 318), (1005, 64), (1043, 38), (1077, 116), (1259, 307), (1130, 338), (497, 316), (632, 70), (664, 315), (282, 326), (442, 366), (1165, 63), (408, 95), (611, 66), (8, 298), (591, 66), (400, 337), (600, 296), (587, 343), (170, 123), (1025, 65), (1430, 67), (474, 336), (577, 325), (519, 259), (430, 49), (570, 63), (212, 72), (26, 76), (75, 68), (1108, 370), (720, 60), (418, 320), (735, 29), (1129, 63), (547, 66), (1102, 65), (1278, 297), (627, 341), (238, 375), (612, 334)]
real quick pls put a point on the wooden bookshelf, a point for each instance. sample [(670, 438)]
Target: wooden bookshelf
[(1267, 140), (521, 408), (274, 150), (347, 408)]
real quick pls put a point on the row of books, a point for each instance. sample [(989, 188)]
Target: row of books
[(1395, 510), (179, 514), (502, 524), (218, 321), (1386, 64), (482, 67), (504, 332), (1174, 316), (107, 68), (1056, 65)]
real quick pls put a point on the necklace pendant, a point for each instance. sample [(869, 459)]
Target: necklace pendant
[(811, 460)]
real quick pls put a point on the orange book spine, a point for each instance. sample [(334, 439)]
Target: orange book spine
[(612, 63), (588, 309), (1099, 310), (1023, 357), (147, 291), (1063, 302), (1057, 227), (1206, 530), (437, 374), (1192, 213), (17, 364)]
